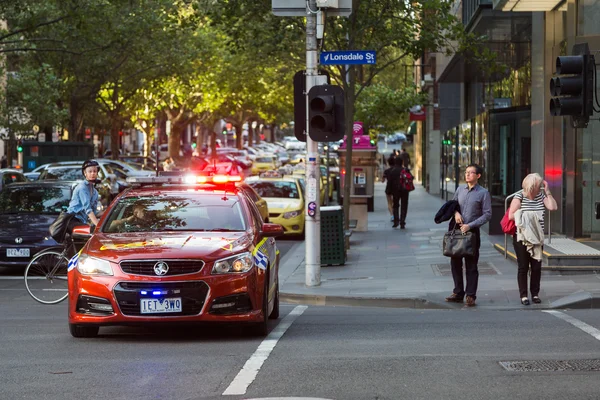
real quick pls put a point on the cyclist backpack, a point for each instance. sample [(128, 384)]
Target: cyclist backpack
[(406, 180)]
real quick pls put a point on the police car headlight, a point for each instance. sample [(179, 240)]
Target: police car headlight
[(292, 214), (237, 264), (93, 266)]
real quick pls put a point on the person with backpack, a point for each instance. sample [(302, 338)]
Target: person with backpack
[(401, 182), (389, 193)]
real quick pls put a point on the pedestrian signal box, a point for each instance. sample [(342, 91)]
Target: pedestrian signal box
[(326, 113)]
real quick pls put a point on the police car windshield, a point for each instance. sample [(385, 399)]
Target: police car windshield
[(282, 189), (174, 213)]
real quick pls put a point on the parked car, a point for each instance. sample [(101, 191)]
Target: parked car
[(26, 211), (129, 169), (71, 170), (9, 175), (147, 162)]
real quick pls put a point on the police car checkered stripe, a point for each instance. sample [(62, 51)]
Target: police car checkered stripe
[(261, 260), (73, 261)]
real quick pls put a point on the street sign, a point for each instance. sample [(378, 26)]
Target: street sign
[(297, 8), (348, 57)]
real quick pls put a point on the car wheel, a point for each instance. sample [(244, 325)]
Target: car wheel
[(261, 328), (82, 331), (275, 312)]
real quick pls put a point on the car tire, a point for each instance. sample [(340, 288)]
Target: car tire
[(275, 313), (82, 331), (261, 328)]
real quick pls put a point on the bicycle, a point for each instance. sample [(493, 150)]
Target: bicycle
[(46, 276)]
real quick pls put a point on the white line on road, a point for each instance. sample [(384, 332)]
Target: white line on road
[(576, 323), (248, 373)]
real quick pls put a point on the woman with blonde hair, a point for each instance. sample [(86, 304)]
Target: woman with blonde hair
[(527, 209)]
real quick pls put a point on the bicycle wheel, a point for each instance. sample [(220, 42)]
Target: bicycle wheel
[(46, 277)]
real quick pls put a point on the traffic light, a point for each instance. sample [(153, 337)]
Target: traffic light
[(19, 146), (300, 103), (194, 145), (573, 88), (326, 113)]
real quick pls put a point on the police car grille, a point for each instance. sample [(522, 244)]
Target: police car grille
[(176, 267), (192, 294)]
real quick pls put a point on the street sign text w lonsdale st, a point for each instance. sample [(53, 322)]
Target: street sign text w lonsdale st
[(347, 57)]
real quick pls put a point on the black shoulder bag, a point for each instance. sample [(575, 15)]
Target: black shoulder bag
[(458, 244), (58, 229)]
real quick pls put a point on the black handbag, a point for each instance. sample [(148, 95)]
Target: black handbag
[(458, 244), (58, 229)]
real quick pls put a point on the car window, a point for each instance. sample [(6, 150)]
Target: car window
[(264, 159), (62, 174), (280, 189), (9, 177), (120, 173), (35, 199), (173, 213)]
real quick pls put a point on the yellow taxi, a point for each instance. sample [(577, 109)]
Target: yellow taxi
[(263, 163), (285, 198)]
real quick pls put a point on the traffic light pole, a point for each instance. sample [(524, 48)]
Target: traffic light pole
[(312, 227)]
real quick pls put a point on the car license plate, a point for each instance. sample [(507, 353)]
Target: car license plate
[(154, 306), (17, 252)]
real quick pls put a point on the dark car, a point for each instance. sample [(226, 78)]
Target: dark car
[(26, 211), (9, 175)]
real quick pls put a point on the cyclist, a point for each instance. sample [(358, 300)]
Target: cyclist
[(85, 197)]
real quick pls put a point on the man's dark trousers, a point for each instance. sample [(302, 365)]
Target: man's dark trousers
[(472, 272), (400, 201)]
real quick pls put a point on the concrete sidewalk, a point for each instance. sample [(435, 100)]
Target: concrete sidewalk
[(389, 267)]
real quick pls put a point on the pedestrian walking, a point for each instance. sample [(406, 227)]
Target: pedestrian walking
[(389, 193), (405, 157), (399, 193), (527, 209), (475, 210)]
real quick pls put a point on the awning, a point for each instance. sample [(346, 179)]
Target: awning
[(412, 129), (526, 5)]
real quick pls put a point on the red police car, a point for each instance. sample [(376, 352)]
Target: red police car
[(176, 249)]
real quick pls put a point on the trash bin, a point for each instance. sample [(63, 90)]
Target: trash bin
[(333, 250)]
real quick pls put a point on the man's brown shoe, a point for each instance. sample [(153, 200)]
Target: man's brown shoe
[(470, 301), (454, 298)]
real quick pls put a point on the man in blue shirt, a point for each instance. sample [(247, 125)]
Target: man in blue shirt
[(475, 210), (85, 197)]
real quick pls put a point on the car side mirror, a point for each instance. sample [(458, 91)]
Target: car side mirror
[(82, 232), (272, 230)]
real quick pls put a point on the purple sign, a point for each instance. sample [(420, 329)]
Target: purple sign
[(312, 208)]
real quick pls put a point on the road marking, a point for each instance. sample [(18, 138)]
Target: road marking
[(14, 278), (576, 323), (248, 373)]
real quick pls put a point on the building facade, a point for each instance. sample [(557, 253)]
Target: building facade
[(498, 115)]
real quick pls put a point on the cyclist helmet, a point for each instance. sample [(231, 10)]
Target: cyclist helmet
[(89, 163)]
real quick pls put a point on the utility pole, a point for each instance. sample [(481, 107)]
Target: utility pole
[(312, 227)]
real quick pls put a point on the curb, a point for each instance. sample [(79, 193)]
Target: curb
[(385, 302), (575, 301)]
